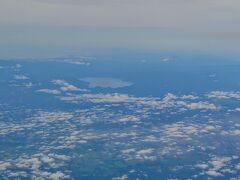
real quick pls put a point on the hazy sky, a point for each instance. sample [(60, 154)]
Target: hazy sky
[(52, 25)]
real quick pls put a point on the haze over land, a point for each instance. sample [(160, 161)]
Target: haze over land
[(43, 28)]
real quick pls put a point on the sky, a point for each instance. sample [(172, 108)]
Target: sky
[(51, 27)]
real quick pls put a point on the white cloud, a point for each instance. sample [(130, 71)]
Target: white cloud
[(145, 154), (202, 166), (217, 165), (237, 109), (129, 118), (213, 173), (57, 176), (28, 85), (78, 62), (20, 77), (49, 91), (123, 177), (99, 98), (168, 101), (212, 75), (219, 162), (127, 151), (191, 97), (65, 86), (224, 95), (236, 132), (4, 165), (94, 82), (198, 105), (18, 174), (144, 151), (18, 66), (237, 167)]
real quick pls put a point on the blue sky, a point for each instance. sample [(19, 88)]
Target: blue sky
[(31, 28)]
